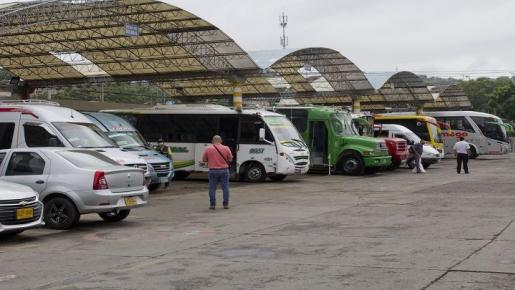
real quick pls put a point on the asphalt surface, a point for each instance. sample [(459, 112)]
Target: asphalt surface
[(394, 230)]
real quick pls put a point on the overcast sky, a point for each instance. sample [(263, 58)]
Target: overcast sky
[(379, 35)]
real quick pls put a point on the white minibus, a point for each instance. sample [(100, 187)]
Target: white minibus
[(265, 144)]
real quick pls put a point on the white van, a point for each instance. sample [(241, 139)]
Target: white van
[(429, 156), (26, 124)]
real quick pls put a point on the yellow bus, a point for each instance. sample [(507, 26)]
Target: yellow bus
[(425, 127)]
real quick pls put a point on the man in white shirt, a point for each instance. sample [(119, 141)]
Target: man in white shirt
[(462, 155)]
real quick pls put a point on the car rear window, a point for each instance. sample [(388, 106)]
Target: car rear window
[(87, 159)]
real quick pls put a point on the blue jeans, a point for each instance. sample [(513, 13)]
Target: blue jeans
[(217, 176)]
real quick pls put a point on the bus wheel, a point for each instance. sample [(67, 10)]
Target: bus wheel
[(473, 153), (277, 177), (181, 175), (255, 172), (351, 164)]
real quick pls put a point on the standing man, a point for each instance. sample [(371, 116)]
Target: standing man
[(462, 155), (218, 158)]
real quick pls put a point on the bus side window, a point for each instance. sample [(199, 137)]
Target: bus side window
[(207, 127), (249, 130), (6, 135), (461, 123)]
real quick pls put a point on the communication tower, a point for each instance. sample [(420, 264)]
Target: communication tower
[(283, 21)]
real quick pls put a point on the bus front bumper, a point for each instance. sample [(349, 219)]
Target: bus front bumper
[(377, 161)]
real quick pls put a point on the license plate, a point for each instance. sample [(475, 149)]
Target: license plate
[(298, 171), (163, 179), (24, 213), (130, 201)]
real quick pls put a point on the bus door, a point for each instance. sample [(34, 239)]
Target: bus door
[(228, 130), (318, 142)]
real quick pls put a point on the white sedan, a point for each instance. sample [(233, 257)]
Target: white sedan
[(20, 208), (72, 182)]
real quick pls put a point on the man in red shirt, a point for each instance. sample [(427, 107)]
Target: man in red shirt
[(218, 158)]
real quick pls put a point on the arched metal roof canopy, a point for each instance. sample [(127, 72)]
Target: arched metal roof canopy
[(314, 75), (449, 98), (64, 42), (399, 89)]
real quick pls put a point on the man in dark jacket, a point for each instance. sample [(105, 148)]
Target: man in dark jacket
[(415, 154)]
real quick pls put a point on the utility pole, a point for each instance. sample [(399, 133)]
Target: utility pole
[(283, 21)]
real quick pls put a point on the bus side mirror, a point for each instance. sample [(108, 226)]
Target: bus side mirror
[(262, 134)]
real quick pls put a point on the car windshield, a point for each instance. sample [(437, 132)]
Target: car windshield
[(84, 135), (491, 128), (437, 135), (284, 131), (87, 159), (343, 125), (127, 139)]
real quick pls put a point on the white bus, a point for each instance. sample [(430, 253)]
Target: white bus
[(264, 144), (486, 133)]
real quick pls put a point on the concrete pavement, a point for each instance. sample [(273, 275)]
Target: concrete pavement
[(393, 230)]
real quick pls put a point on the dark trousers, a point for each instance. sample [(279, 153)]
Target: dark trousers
[(463, 158)]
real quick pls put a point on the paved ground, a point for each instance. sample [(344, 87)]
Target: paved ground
[(386, 231)]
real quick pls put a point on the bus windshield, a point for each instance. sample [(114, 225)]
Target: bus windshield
[(284, 131), (343, 125), (84, 135), (127, 139), (491, 128), (437, 135)]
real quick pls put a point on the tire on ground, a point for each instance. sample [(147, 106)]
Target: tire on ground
[(115, 216), (60, 213), (351, 164)]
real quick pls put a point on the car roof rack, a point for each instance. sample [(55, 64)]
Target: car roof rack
[(30, 102)]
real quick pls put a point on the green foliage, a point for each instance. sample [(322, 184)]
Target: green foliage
[(496, 96)]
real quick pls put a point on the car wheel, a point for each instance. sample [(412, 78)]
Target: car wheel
[(395, 164), (181, 175), (255, 172), (153, 186), (351, 164), (115, 216), (60, 213), (278, 177), (426, 165), (12, 233)]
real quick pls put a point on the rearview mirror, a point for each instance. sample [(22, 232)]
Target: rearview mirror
[(262, 134)]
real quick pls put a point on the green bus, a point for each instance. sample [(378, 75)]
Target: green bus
[(334, 141)]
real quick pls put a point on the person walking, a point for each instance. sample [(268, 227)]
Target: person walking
[(218, 158), (462, 155), (415, 155)]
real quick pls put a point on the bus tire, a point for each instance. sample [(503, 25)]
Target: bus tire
[(181, 175), (473, 152), (277, 177), (254, 172), (351, 164)]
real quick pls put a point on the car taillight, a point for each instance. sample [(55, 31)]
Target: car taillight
[(100, 181)]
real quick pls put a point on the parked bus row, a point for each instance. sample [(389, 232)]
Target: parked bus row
[(74, 163)]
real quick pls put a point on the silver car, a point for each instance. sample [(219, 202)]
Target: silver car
[(72, 182), (20, 208)]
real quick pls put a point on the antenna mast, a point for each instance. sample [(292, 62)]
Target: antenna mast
[(283, 21)]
